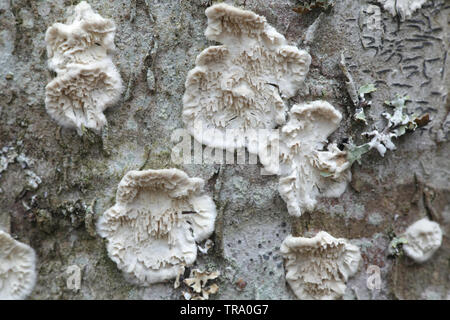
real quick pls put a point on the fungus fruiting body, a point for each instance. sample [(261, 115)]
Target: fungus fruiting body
[(308, 165), (153, 228), (402, 8), (319, 267), (423, 238), (234, 99), (87, 82), (17, 268), (240, 85)]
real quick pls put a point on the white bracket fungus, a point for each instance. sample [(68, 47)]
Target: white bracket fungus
[(423, 238), (240, 85), (87, 81), (238, 88), (17, 268), (306, 169), (153, 228), (318, 267), (403, 8)]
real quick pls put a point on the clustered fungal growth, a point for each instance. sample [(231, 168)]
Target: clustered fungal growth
[(87, 82), (17, 268), (308, 165), (423, 238), (160, 216), (319, 267), (241, 84), (239, 87), (402, 8), (153, 228)]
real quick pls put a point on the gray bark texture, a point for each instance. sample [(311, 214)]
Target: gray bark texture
[(157, 42)]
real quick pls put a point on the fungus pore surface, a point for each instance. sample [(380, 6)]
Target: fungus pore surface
[(17, 268), (87, 82), (153, 228), (240, 85), (318, 267)]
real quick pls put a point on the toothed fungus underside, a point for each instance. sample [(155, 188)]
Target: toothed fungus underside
[(309, 166), (238, 87), (17, 268), (319, 267), (87, 82), (403, 8), (423, 238), (241, 84), (153, 228)]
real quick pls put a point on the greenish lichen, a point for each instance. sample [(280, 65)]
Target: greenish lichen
[(396, 246), (360, 114), (398, 124), (308, 5), (366, 89), (354, 152), (400, 121)]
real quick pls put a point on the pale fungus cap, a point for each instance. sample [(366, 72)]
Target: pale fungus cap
[(423, 238), (153, 228), (85, 38), (240, 85), (79, 95), (319, 267), (87, 81), (17, 268), (307, 170), (402, 8)]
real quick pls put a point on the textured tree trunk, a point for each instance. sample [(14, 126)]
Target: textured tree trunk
[(157, 42)]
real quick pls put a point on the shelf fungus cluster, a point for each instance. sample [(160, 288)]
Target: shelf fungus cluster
[(319, 267), (238, 88), (17, 268), (154, 227), (87, 81)]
